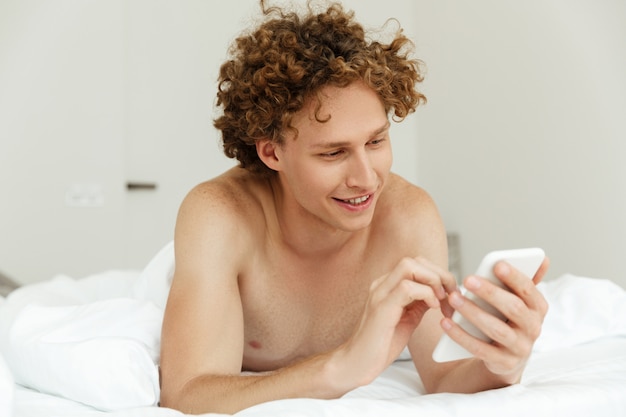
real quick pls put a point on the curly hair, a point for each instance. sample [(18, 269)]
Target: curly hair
[(276, 68)]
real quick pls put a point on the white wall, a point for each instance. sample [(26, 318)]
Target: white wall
[(523, 140), (97, 93)]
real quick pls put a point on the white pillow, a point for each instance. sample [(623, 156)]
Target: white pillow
[(7, 390), (102, 354), (581, 310), (155, 280)]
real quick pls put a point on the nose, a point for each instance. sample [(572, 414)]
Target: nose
[(361, 173)]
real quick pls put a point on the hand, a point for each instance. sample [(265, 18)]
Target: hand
[(396, 304), (524, 308)]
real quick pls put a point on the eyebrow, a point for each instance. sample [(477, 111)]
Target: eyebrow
[(339, 144)]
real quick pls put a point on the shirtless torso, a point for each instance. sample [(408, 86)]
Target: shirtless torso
[(299, 304)]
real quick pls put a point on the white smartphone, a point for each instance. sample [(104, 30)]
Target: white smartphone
[(527, 261)]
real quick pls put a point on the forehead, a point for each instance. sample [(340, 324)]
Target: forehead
[(339, 113)]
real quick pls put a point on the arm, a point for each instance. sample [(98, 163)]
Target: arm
[(203, 324)]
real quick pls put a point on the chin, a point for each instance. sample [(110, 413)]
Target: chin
[(356, 225)]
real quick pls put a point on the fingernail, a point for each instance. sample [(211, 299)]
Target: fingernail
[(445, 323), (472, 283), (503, 269), (456, 299)]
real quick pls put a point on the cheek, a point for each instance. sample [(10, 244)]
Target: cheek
[(308, 178), (322, 180), (318, 183), (389, 160), (382, 162)]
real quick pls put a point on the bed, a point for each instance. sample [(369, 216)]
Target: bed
[(89, 347)]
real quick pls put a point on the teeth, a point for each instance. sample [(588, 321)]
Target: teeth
[(359, 200)]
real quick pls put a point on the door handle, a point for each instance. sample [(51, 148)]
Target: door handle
[(138, 186)]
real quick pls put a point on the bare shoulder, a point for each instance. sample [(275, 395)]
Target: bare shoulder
[(227, 204), (405, 204), (234, 193), (408, 193), (410, 214), (219, 223)]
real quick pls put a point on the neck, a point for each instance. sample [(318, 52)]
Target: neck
[(305, 234)]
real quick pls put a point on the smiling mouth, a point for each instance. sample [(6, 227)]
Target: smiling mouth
[(355, 201)]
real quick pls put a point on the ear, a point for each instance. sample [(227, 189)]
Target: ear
[(267, 151)]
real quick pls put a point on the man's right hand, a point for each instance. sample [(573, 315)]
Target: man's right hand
[(396, 305)]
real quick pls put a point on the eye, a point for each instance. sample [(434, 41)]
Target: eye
[(376, 142), (332, 154)]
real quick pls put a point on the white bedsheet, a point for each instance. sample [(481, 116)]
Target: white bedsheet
[(586, 380), (89, 347)]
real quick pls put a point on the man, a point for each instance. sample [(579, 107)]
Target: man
[(311, 264)]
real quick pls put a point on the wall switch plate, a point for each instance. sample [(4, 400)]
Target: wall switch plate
[(84, 195)]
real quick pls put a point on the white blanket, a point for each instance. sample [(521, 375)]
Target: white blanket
[(95, 341)]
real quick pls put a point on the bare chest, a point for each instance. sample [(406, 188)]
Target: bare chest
[(296, 310)]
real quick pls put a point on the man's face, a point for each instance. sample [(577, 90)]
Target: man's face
[(335, 171)]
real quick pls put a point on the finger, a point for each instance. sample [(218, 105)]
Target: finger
[(504, 346), (479, 348), (407, 292), (498, 359), (495, 328), (447, 278), (420, 292), (410, 268), (525, 313), (484, 317), (522, 286), (496, 300), (446, 309)]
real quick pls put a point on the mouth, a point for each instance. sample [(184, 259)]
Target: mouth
[(358, 201)]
